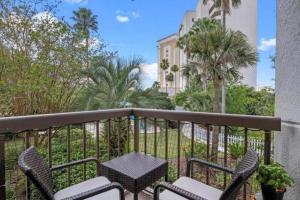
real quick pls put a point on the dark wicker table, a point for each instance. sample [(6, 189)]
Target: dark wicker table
[(135, 171)]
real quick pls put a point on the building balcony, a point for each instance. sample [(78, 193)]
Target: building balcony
[(174, 136)]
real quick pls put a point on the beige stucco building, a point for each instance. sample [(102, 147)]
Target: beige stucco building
[(243, 19)]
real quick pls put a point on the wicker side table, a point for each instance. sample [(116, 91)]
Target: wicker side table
[(135, 171)]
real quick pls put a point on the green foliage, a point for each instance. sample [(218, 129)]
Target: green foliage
[(170, 77), (85, 21), (175, 68), (164, 65), (150, 98), (236, 150), (245, 100), (40, 70), (172, 173), (194, 99), (274, 175)]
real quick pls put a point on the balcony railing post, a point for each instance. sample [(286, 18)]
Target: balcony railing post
[(267, 149), (136, 134), (2, 167)]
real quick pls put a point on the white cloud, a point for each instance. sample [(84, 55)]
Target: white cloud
[(45, 16), (122, 18), (149, 74), (77, 1), (125, 16), (135, 14), (267, 44)]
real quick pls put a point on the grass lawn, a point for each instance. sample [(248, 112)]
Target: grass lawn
[(161, 138)]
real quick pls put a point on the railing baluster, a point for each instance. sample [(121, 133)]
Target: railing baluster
[(2, 168), (69, 153), (27, 145), (192, 146), (145, 135), (267, 152), (166, 140), (245, 150), (178, 149), (108, 138), (128, 134), (207, 151), (225, 153), (166, 144), (136, 134), (50, 147), (155, 137), (97, 140), (84, 150), (119, 136)]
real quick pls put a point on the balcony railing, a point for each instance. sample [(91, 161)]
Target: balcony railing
[(105, 134)]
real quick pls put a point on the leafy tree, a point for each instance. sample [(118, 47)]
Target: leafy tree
[(218, 53), (40, 59), (85, 23), (225, 6), (245, 100)]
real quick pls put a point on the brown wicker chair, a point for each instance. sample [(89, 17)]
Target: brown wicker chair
[(34, 167), (187, 188)]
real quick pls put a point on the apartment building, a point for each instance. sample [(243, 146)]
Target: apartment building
[(243, 18)]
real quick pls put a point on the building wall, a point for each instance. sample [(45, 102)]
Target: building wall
[(167, 49), (185, 26), (287, 91), (244, 19)]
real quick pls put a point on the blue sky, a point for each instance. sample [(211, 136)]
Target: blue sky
[(133, 27)]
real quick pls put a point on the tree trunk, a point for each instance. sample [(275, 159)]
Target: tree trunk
[(224, 81), (87, 51), (216, 109)]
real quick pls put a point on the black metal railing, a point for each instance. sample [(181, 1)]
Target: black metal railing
[(105, 134)]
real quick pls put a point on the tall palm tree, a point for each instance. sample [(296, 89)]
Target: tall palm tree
[(218, 53), (85, 23), (164, 65), (225, 6), (175, 69)]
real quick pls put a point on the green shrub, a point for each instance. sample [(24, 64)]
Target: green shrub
[(275, 176), (236, 150)]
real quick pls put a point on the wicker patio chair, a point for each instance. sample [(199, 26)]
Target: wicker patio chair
[(100, 188), (187, 188)]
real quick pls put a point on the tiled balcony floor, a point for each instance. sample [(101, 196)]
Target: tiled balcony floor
[(142, 196)]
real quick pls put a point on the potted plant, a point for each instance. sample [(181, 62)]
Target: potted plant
[(274, 180)]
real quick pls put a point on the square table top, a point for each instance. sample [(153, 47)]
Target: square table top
[(134, 165)]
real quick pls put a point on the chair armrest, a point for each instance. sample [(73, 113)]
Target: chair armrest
[(177, 190), (99, 190), (208, 164), (78, 162)]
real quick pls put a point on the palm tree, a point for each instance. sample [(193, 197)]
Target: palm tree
[(115, 83), (164, 65), (175, 69), (85, 22), (111, 82), (218, 53), (225, 6)]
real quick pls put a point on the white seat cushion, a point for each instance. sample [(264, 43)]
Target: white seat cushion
[(88, 185), (194, 187)]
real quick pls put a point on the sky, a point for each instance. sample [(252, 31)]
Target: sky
[(132, 28)]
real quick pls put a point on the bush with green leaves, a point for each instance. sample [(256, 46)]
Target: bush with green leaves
[(274, 175), (236, 150)]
